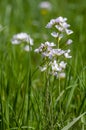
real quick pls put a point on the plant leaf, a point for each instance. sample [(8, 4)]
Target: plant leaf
[(73, 122)]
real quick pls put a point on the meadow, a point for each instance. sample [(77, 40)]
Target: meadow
[(29, 98)]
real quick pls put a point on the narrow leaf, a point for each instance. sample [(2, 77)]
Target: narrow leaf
[(73, 122)]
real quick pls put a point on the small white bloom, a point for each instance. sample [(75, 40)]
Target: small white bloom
[(55, 66), (60, 19), (68, 31), (27, 48), (51, 23), (58, 52), (36, 50), (69, 41), (55, 73), (31, 41), (65, 25), (54, 34), (62, 64), (45, 49), (22, 37), (50, 44), (59, 28), (66, 54), (45, 5), (15, 42), (61, 75)]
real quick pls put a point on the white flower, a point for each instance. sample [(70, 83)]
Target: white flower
[(68, 31), (58, 52), (37, 50), (66, 54), (55, 74), (27, 48), (60, 24), (51, 23), (65, 25), (22, 37), (59, 28), (69, 41), (54, 34), (55, 66), (40, 49), (45, 5), (45, 48), (58, 66), (60, 19), (62, 64), (15, 42), (30, 41), (61, 75), (49, 44)]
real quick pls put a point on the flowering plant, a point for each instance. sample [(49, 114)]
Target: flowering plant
[(23, 38), (53, 55)]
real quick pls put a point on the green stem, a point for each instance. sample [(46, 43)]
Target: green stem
[(59, 95)]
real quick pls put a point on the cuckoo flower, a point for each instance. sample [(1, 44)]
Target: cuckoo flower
[(22, 38), (53, 54)]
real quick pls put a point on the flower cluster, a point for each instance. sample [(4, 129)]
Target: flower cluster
[(53, 55), (23, 38), (61, 25)]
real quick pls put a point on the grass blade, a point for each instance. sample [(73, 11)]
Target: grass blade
[(73, 122)]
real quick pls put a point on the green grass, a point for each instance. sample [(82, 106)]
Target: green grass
[(27, 100)]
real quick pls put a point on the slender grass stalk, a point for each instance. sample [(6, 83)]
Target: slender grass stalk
[(29, 81)]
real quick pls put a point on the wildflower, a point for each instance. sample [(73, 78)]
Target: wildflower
[(58, 69), (54, 54), (59, 28), (45, 5), (27, 48), (69, 41), (51, 23), (54, 34), (60, 24), (46, 47), (58, 52), (55, 66), (23, 38), (62, 64), (66, 54), (60, 19), (61, 75), (50, 44), (68, 31)]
